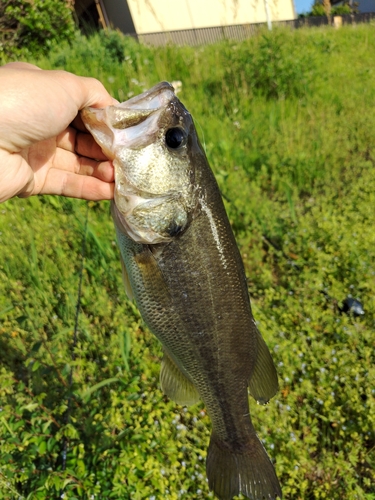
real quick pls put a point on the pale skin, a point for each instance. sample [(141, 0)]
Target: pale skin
[(44, 147)]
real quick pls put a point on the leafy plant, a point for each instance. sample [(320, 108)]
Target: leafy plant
[(34, 27), (270, 67), (344, 9), (318, 9)]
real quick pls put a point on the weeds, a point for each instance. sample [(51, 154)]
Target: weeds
[(290, 135)]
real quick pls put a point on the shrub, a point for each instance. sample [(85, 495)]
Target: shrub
[(318, 10), (337, 10), (34, 27), (343, 10), (270, 66)]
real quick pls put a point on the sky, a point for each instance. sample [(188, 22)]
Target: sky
[(303, 5)]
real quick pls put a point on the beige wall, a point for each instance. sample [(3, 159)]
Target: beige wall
[(151, 16)]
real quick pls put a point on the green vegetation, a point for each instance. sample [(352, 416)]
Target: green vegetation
[(324, 8), (288, 124), (34, 27), (318, 9)]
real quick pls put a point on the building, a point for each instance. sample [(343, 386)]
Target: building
[(159, 16)]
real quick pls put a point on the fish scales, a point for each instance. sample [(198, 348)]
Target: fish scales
[(178, 307), (183, 268)]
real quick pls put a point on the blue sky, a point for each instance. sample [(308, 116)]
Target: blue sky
[(303, 5)]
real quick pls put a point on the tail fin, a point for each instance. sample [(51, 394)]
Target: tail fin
[(249, 471)]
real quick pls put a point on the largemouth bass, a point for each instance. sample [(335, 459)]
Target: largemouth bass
[(182, 266)]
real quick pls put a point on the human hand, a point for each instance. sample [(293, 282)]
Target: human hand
[(44, 147)]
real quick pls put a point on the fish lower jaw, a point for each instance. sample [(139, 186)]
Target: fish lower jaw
[(127, 199), (150, 218), (122, 212)]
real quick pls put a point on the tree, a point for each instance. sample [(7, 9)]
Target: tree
[(327, 9)]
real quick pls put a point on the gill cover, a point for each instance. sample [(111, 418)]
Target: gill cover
[(146, 137)]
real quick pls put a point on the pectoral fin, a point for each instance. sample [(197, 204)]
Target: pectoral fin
[(263, 384), (126, 281), (175, 384)]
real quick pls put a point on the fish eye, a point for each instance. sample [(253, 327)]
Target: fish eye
[(175, 138)]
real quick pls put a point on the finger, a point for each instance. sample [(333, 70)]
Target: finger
[(86, 146), (102, 170), (90, 92), (78, 123), (59, 182), (81, 165), (83, 144), (20, 65)]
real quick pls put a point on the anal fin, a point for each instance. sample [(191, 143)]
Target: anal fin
[(175, 384), (263, 383)]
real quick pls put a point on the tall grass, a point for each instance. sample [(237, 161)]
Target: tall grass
[(289, 131)]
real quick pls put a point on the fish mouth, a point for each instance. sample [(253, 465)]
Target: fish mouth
[(131, 124)]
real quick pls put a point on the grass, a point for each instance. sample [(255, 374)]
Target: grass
[(287, 123)]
